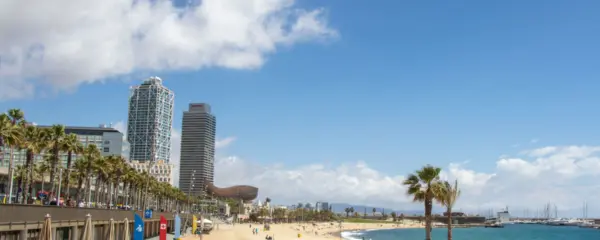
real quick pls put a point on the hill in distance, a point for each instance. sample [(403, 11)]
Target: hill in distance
[(360, 209)]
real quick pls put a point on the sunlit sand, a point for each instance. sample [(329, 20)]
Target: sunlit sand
[(307, 231)]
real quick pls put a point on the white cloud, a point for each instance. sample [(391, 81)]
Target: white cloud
[(566, 177), (95, 40), (222, 143), (562, 175)]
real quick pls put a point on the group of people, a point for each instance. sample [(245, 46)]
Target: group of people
[(255, 232)]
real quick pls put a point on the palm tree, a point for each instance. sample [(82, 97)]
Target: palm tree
[(12, 121), (20, 174), (447, 196), (110, 173), (91, 154), (56, 136), (101, 172), (116, 164), (129, 183), (41, 168), (421, 186), (374, 211), (79, 174), (33, 143), (71, 145), (10, 134)]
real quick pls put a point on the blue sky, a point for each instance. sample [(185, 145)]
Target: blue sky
[(402, 84)]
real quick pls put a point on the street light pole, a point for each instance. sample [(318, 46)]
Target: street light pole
[(150, 165), (189, 197)]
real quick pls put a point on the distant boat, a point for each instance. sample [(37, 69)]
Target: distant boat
[(493, 223), (564, 222), (587, 224), (504, 217)]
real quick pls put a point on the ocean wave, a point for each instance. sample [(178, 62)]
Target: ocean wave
[(352, 235)]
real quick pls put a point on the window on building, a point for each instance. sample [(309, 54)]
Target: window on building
[(106, 142), (106, 149)]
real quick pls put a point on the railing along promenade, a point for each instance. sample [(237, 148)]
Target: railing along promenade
[(23, 222)]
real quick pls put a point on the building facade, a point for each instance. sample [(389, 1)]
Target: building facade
[(161, 170), (196, 165), (150, 118), (108, 140)]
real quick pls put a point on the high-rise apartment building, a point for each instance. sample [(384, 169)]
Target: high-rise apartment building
[(149, 121), (197, 166)]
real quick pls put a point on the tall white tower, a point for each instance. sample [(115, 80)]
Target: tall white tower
[(150, 120)]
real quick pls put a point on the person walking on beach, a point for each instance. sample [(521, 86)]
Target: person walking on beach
[(199, 233)]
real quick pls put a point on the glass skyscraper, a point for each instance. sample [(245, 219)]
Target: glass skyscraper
[(197, 163), (149, 121)]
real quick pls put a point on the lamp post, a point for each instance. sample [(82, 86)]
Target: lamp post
[(189, 197), (150, 165), (59, 186)]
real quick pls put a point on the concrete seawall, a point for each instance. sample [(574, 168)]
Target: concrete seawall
[(24, 221)]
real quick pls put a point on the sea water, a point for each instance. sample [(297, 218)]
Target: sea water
[(509, 232)]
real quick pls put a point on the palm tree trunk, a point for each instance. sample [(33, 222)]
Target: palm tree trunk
[(19, 182), (108, 196), (54, 162), (116, 190), (30, 182), (68, 188), (449, 223), (428, 208), (98, 189), (78, 191), (87, 188), (11, 170)]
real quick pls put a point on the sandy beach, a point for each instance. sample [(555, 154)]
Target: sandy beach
[(319, 231)]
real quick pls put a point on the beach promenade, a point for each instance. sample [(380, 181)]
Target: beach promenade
[(319, 231)]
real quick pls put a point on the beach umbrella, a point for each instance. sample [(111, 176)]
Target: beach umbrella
[(126, 229), (46, 231), (111, 230), (88, 228)]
